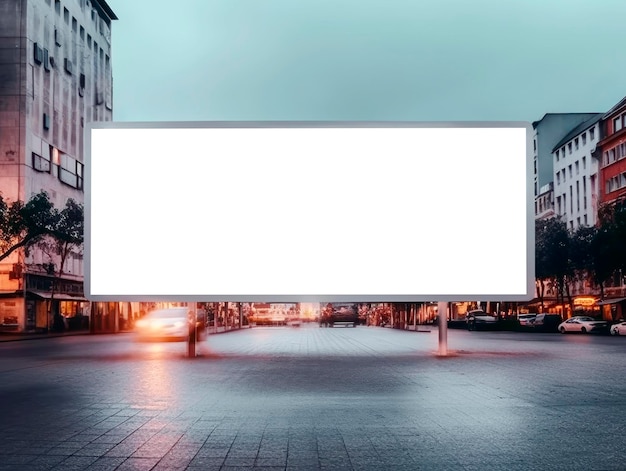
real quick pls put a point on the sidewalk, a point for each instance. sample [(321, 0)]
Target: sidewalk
[(11, 337), (15, 336)]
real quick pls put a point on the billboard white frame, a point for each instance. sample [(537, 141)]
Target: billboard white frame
[(309, 211)]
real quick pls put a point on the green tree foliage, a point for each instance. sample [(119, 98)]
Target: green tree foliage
[(23, 225), (552, 250), (66, 236)]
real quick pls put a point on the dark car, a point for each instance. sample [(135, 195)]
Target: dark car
[(478, 319), (547, 322)]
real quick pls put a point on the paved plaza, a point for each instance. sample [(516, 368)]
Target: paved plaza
[(314, 398)]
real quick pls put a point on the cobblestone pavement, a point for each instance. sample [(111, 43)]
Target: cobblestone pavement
[(315, 399)]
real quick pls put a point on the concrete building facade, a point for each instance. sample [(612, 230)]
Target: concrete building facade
[(55, 76), (548, 131), (576, 174)]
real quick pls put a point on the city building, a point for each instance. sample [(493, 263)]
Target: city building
[(548, 131), (576, 174), (612, 153), (55, 76)]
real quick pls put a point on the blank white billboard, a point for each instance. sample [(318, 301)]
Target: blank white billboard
[(309, 211)]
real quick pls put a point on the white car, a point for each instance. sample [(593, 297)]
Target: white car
[(164, 324), (618, 329), (526, 319), (583, 324)]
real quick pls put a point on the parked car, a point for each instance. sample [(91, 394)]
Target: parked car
[(478, 319), (583, 324), (547, 322), (526, 320), (619, 328), (164, 324)]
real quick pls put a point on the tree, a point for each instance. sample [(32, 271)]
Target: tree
[(552, 261), (23, 225), (65, 237)]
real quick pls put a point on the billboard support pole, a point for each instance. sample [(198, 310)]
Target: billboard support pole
[(442, 317), (191, 338)]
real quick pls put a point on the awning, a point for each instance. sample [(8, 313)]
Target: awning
[(57, 296), (611, 301)]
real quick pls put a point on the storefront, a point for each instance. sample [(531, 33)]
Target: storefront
[(586, 306), (613, 309)]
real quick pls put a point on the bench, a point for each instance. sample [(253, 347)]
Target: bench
[(344, 324)]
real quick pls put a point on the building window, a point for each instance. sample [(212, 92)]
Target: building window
[(576, 143), (584, 192), (57, 6), (577, 168), (41, 164), (82, 33), (611, 155), (37, 54), (558, 178), (585, 217), (571, 225), (569, 148), (617, 124), (557, 155), (563, 172), (584, 163), (558, 205), (592, 133), (578, 196), (584, 138), (66, 16), (570, 170), (571, 199), (534, 144), (46, 60), (71, 172)]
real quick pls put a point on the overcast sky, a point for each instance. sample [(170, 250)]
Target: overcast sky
[(425, 60)]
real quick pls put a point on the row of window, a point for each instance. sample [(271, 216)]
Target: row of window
[(561, 201), (613, 155), (66, 15), (561, 175), (560, 153), (616, 183), (70, 170), (58, 34)]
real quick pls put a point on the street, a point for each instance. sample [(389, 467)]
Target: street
[(279, 398)]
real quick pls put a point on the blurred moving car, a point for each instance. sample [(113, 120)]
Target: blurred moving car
[(526, 320), (619, 328), (547, 322), (583, 324), (164, 324), (478, 319)]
